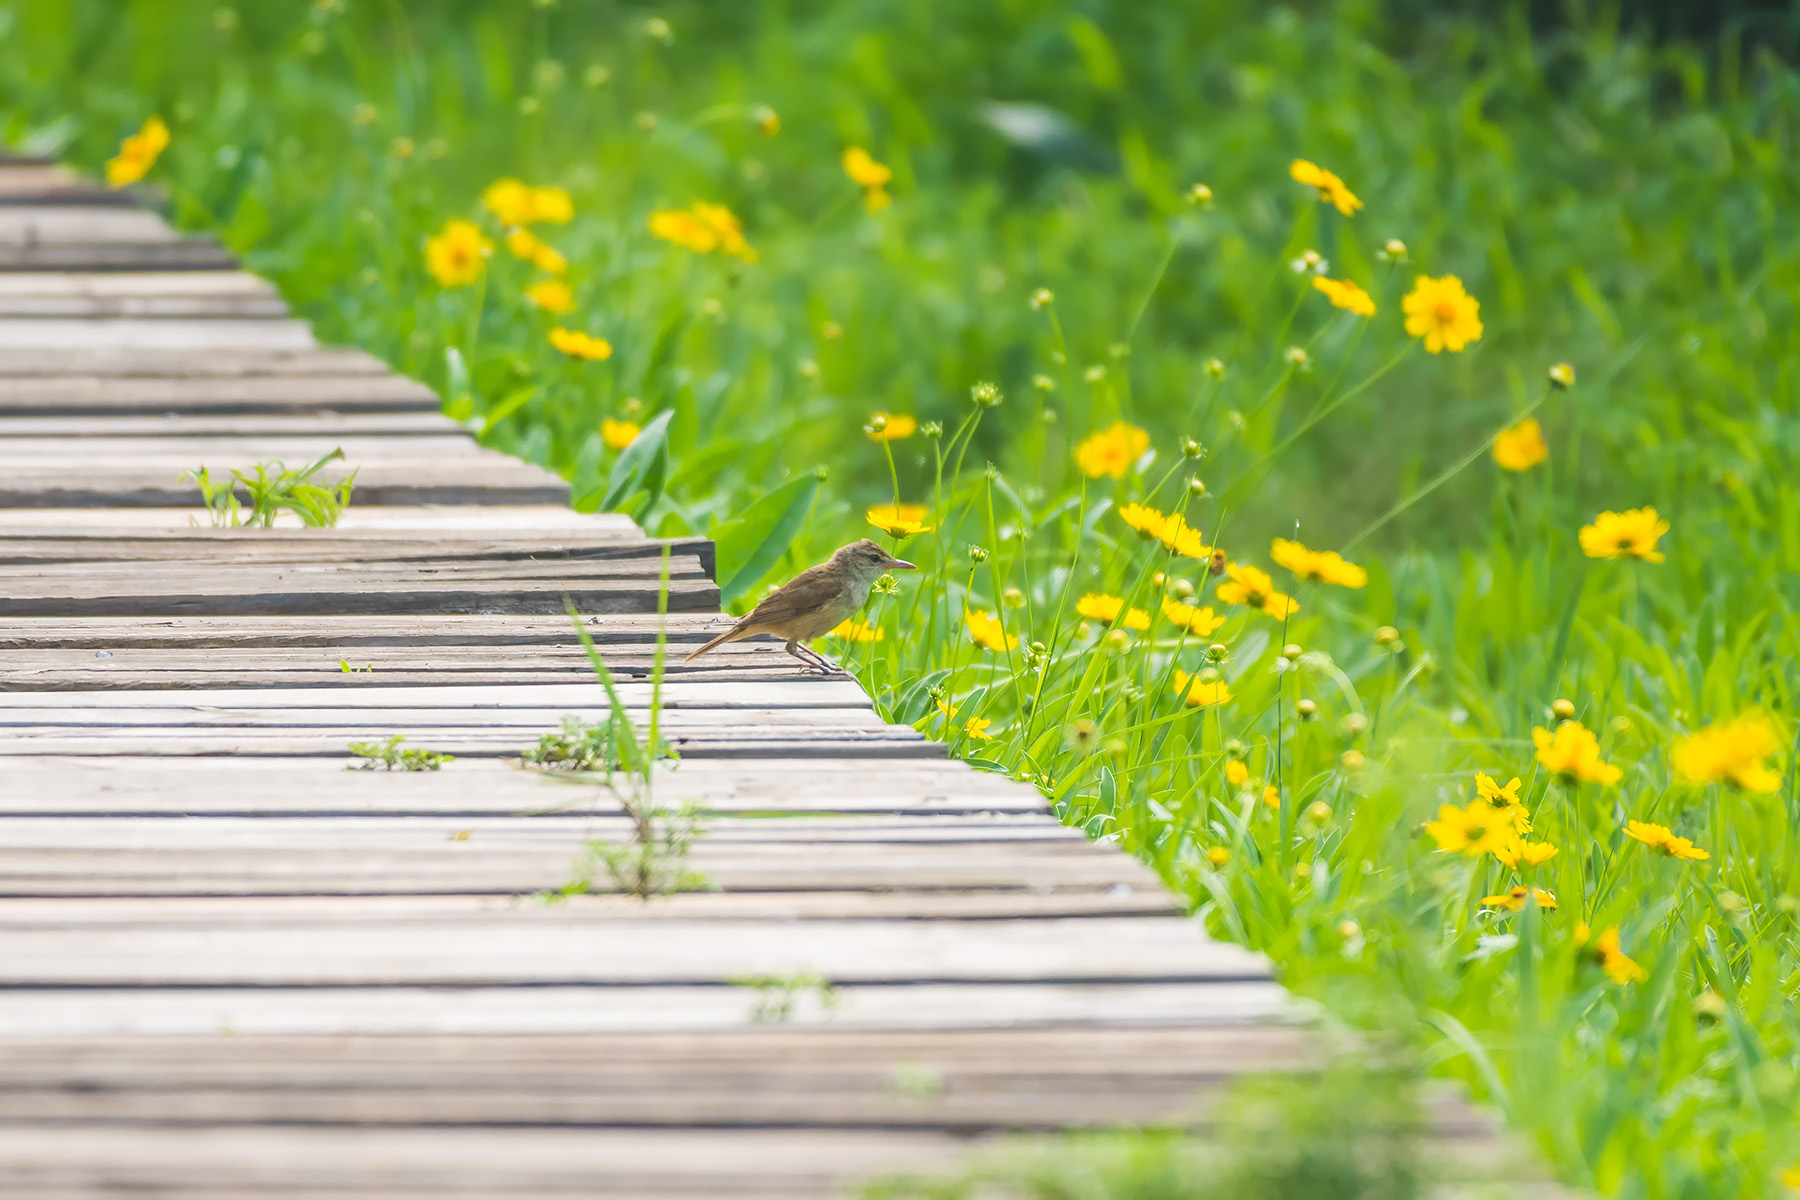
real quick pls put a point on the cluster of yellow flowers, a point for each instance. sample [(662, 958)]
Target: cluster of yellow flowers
[(138, 153), (1172, 530), (703, 228)]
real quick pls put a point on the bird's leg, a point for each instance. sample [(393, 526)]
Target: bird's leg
[(814, 664)]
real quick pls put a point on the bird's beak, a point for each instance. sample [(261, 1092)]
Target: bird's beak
[(902, 564)]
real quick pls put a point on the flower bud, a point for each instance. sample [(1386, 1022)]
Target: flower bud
[(985, 394), (1218, 856), (1207, 675), (1042, 297), (1197, 487), (1199, 195), (977, 554), (1307, 709), (1352, 760), (1192, 449), (1217, 653), (1297, 356), (932, 429), (1012, 597), (1290, 652), (1217, 565), (1318, 811), (1354, 725), (1392, 250), (1117, 639), (1387, 635), (1095, 373), (1043, 383), (1562, 377), (1183, 589), (1563, 710), (1215, 368)]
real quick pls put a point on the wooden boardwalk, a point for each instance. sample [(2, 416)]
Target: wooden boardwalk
[(231, 967)]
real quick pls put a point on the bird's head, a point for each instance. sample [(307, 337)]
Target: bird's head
[(866, 560)]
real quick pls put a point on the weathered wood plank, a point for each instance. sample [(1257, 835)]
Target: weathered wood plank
[(614, 953), (563, 1009), (745, 742), (23, 225), (438, 520), (126, 786), (187, 254), (587, 700), (48, 364), (349, 629), (168, 307), (322, 423), (101, 285), (1116, 899), (108, 332)]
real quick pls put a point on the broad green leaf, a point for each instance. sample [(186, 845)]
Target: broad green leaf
[(636, 460), (750, 545)]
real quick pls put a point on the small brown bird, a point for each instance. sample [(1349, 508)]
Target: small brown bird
[(815, 602)]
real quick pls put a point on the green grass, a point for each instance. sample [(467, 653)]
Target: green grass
[(1628, 208)]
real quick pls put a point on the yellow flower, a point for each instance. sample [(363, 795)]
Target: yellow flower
[(1504, 799), (552, 205), (767, 120), (977, 729), (902, 520), (1254, 589), (1730, 752), (1515, 899), (508, 199), (988, 633), (534, 250), (518, 204), (1111, 451), (1562, 376), (885, 427), (1661, 837), (863, 170), (1107, 608), (456, 255), (138, 153), (702, 228), (1573, 754), (1331, 188), (1141, 517), (1202, 694), (1474, 830), (1272, 796), (551, 295), (726, 228), (1325, 566), (618, 434), (1612, 960), (1237, 773), (852, 630), (1629, 534), (1791, 1177), (1218, 856), (1439, 311), (684, 229), (946, 708), (1530, 853), (1344, 294), (1201, 622), (1521, 447), (577, 344)]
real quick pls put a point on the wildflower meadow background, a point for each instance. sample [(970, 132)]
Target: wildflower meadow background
[(1349, 447)]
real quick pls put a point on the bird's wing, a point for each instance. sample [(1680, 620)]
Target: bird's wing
[(803, 594)]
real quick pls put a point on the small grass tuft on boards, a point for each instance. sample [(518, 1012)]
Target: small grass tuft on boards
[(653, 860), (274, 488)]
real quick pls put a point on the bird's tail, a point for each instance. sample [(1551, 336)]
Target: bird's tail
[(730, 635)]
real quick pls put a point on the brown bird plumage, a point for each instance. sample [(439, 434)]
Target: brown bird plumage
[(815, 602)]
